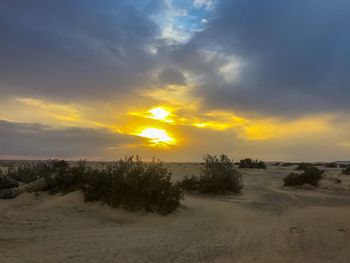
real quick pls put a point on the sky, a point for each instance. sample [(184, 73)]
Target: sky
[(175, 79)]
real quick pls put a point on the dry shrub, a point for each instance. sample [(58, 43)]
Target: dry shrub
[(128, 183), (219, 175), (133, 185), (249, 163), (346, 170), (311, 175)]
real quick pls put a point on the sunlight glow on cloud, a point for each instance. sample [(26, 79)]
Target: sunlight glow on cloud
[(160, 113), (157, 137), (169, 127)]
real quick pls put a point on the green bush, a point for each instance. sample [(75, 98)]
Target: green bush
[(219, 175), (133, 185), (249, 163), (311, 175)]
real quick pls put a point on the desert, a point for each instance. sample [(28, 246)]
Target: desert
[(175, 131), (265, 223)]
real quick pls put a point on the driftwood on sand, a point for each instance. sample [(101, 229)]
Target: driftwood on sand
[(12, 192)]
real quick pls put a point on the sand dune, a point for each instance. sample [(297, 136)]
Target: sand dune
[(266, 223)]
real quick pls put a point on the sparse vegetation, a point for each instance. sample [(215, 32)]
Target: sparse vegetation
[(311, 175), (346, 170), (219, 175), (128, 183), (24, 172), (331, 165), (287, 164), (249, 163), (27, 172)]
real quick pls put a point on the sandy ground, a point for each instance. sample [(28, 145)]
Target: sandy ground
[(266, 223)]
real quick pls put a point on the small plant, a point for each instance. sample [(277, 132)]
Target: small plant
[(249, 163), (219, 175), (311, 175)]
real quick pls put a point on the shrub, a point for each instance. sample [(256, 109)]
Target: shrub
[(128, 183), (7, 182), (133, 185), (190, 183), (98, 186), (61, 177), (346, 170), (27, 172), (249, 163), (331, 165), (303, 166), (219, 175), (23, 172), (311, 175), (287, 164)]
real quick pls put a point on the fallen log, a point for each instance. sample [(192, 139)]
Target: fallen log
[(10, 193)]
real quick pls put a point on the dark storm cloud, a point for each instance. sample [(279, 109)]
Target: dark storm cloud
[(23, 139), (172, 76), (75, 48), (294, 55)]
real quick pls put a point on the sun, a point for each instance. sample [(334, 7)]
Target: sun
[(159, 113), (157, 136)]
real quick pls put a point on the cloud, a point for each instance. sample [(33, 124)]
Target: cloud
[(264, 57), (75, 49), (294, 56), (172, 76), (37, 140), (203, 3)]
